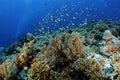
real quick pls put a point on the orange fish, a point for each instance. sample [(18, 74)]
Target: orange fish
[(112, 50)]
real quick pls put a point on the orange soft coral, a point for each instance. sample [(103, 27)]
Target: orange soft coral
[(112, 50)]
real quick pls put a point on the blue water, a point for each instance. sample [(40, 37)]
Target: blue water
[(18, 17)]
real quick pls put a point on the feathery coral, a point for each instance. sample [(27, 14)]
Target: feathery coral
[(25, 54), (90, 67), (64, 48)]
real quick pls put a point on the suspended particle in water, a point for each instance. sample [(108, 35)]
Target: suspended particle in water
[(42, 28), (35, 33), (58, 19), (64, 19), (48, 13), (51, 19), (43, 19), (76, 13), (93, 20), (51, 16), (95, 8), (67, 27), (43, 32), (39, 30), (72, 24), (67, 14), (85, 22), (80, 24), (65, 9), (74, 17), (72, 5), (48, 27), (55, 21), (86, 8), (61, 15)]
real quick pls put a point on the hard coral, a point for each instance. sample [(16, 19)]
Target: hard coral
[(25, 54), (107, 35), (100, 27), (90, 67), (116, 74), (40, 71), (13, 48), (115, 58), (8, 70), (64, 48)]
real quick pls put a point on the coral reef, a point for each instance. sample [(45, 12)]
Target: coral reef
[(78, 52), (16, 46)]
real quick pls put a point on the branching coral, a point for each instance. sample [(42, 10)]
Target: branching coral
[(40, 71), (90, 67), (64, 48), (25, 54), (65, 74), (66, 56), (8, 70)]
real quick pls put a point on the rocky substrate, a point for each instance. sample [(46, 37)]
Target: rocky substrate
[(79, 52)]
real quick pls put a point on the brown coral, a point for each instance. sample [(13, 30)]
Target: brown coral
[(64, 48), (40, 71), (25, 54), (90, 67), (116, 73), (8, 70)]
